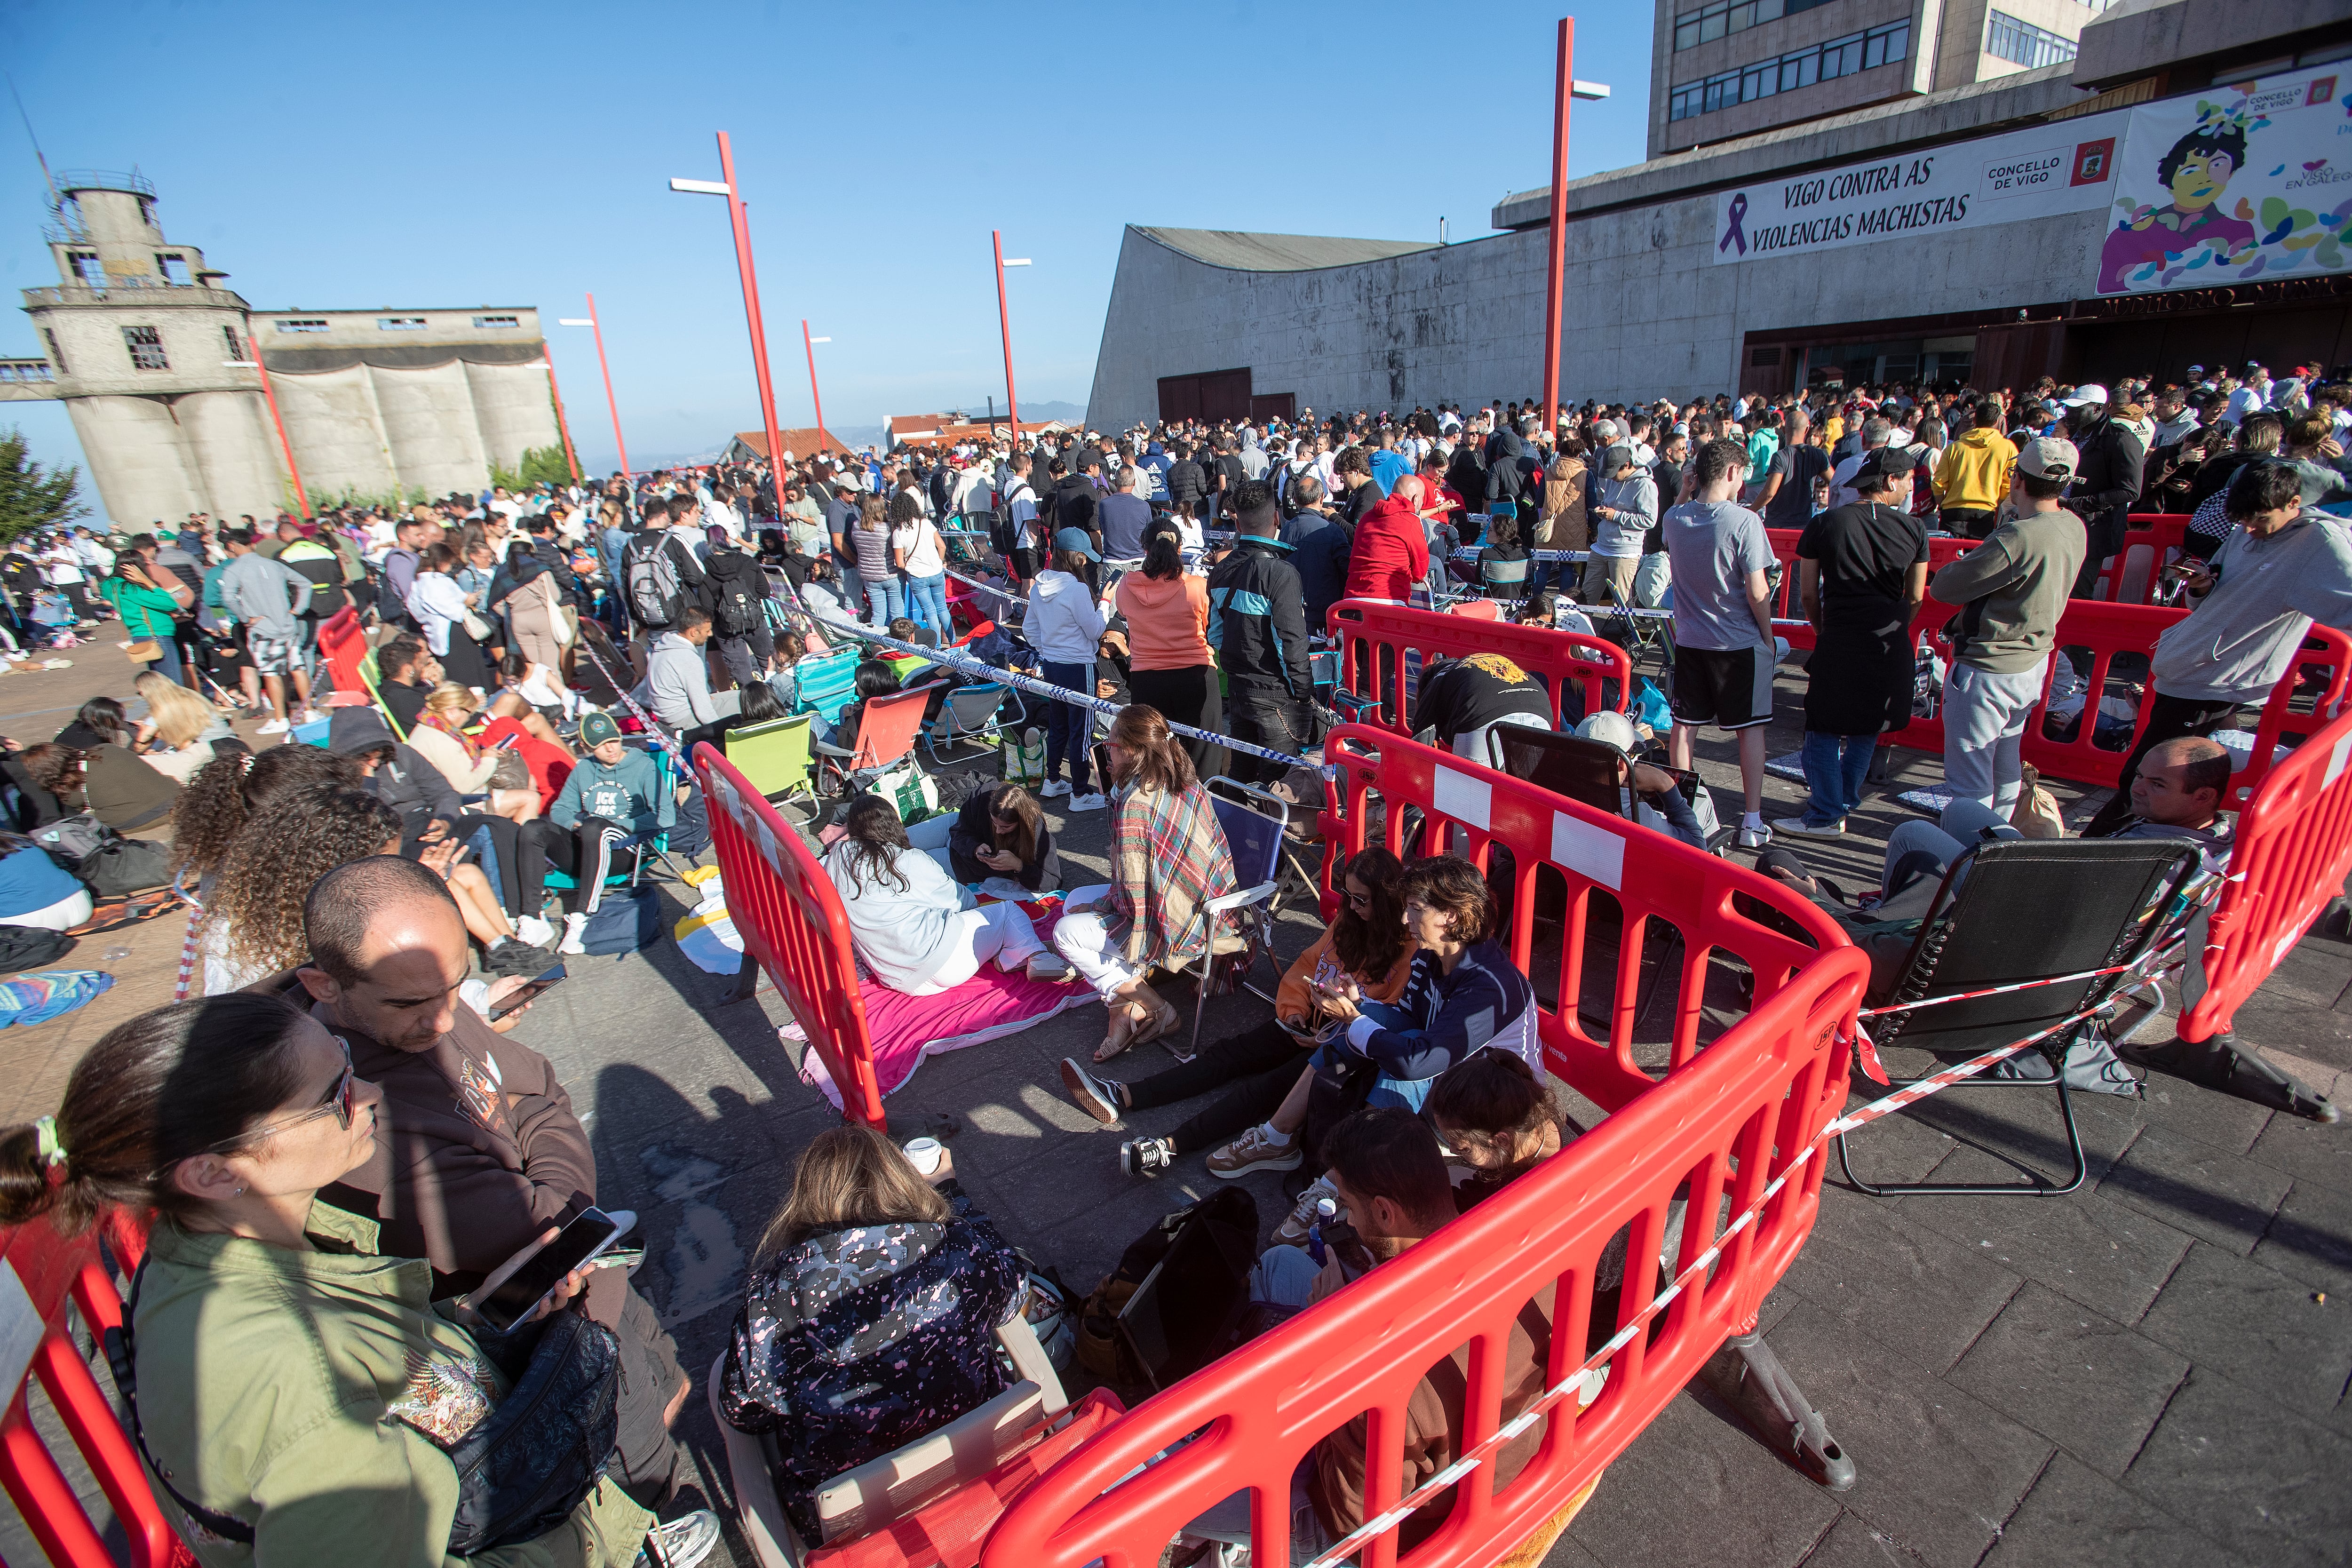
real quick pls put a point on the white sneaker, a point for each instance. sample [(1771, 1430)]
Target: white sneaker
[(275, 727), (1054, 787), (1804, 827), (1086, 802), (534, 931), (683, 1542), (1754, 838), (573, 926), (1293, 1231)]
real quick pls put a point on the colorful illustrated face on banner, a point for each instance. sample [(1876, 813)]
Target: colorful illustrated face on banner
[(2223, 190)]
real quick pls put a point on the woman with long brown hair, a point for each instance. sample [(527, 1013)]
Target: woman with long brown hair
[(1169, 860), (1001, 832), (873, 1321)]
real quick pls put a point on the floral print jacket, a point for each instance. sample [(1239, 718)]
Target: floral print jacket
[(853, 1343)]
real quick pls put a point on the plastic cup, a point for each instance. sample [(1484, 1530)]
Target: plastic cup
[(925, 1152)]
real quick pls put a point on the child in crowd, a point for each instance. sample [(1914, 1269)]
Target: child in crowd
[(613, 798)]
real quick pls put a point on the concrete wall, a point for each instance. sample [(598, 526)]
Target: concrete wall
[(233, 452), (157, 460), (1647, 313), (367, 431), (339, 437), (513, 409)]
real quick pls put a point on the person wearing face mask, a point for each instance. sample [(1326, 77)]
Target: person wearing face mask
[(228, 1119)]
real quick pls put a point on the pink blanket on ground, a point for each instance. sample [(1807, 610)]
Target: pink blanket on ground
[(906, 1029)]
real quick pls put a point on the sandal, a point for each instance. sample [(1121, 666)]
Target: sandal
[(1116, 1041), (1164, 1018)]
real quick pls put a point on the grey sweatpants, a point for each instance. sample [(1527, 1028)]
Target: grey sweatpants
[(1984, 726)]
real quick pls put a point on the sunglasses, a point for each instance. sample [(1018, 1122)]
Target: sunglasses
[(341, 1103), (1360, 901)]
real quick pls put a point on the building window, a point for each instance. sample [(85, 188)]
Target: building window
[(236, 344), (88, 268), (309, 324), (146, 345), (1705, 23), (174, 270), (57, 355), (400, 323), (1799, 68), (2023, 43), (486, 323)]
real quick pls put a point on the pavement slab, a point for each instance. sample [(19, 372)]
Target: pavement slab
[(2257, 1327), (2237, 1468), (2087, 1384), (2075, 1516), (2214, 1195)]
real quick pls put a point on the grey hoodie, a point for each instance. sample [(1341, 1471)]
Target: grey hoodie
[(254, 588), (2239, 640), (677, 683)]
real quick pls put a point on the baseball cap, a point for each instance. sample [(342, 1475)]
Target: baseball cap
[(1882, 463), (1075, 542), (2048, 458), (2089, 392), (1610, 730), (596, 728), (1617, 457), (2196, 370)]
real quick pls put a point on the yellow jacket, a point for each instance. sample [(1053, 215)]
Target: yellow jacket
[(1974, 470)]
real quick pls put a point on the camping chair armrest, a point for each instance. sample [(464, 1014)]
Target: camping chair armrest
[(826, 749), (1238, 900)]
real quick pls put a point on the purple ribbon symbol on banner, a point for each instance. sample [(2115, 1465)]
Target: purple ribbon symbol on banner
[(1738, 212)]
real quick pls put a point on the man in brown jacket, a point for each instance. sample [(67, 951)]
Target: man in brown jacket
[(479, 1154)]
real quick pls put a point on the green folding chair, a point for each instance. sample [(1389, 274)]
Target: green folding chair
[(371, 677), (775, 758)]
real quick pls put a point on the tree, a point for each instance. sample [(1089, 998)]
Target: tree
[(538, 465), (30, 497)]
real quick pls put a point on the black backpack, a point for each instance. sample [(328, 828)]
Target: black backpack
[(738, 586), (1230, 1215), (656, 593), (1001, 531)]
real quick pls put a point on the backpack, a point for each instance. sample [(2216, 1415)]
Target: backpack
[(656, 594), (1003, 532), (1230, 1215), (738, 587)]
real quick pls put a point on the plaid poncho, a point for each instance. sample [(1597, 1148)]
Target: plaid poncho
[(1168, 857)]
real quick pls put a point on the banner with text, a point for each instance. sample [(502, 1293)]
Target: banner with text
[(2043, 172), (2234, 182)]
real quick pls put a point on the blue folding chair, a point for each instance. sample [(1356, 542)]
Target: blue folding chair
[(1254, 827), (824, 684), (970, 716), (654, 844)]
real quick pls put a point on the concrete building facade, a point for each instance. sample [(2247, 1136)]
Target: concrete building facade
[(155, 363), (1986, 277)]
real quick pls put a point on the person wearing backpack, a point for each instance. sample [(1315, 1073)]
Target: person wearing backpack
[(660, 574), (1015, 533), (739, 616)]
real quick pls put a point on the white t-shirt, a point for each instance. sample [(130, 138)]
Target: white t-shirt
[(920, 542)]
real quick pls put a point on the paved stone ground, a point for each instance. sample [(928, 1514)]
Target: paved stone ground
[(2149, 1371)]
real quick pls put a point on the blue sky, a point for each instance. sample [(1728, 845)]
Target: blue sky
[(433, 154)]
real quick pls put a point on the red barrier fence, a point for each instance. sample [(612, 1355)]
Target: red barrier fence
[(2151, 542), (1376, 636), (1727, 1120), (44, 1274), (2110, 631), (2292, 849), (790, 917)]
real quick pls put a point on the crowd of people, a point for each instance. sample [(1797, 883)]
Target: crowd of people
[(339, 1098)]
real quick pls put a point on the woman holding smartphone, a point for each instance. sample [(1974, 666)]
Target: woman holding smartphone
[(224, 1118)]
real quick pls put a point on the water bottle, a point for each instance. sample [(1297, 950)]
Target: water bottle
[(1326, 1213)]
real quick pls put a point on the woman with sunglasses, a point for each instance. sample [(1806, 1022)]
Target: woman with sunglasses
[(1264, 1072), (289, 1380)]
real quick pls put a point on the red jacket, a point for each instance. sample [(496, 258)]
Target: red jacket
[(1390, 553)]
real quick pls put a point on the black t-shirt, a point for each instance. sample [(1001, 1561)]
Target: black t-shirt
[(1866, 551), (1792, 504), (1473, 692)]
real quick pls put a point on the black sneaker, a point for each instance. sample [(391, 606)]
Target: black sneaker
[(1099, 1098), (514, 957), (1145, 1157)]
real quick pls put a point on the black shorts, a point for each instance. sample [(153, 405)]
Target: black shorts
[(1730, 689)]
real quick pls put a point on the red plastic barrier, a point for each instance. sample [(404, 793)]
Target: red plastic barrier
[(2292, 850), (50, 1273), (1376, 636), (2151, 542), (2111, 630), (1788, 606), (790, 916), (1727, 1120)]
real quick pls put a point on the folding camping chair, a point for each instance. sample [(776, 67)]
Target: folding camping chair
[(2024, 909), (1645, 632), (887, 728), (641, 846), (824, 683), (1581, 770), (775, 758), (1253, 826), (969, 718)]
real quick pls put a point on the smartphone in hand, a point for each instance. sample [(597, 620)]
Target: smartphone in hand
[(516, 1287), (523, 995)]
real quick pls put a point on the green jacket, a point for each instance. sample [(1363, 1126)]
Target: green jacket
[(146, 612), (291, 1390)]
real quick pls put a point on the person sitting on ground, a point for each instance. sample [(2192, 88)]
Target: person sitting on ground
[(539, 687), (615, 795), (224, 1118), (906, 914), (117, 785), (232, 789), (1169, 860), (1464, 993), (472, 766), (1265, 1071), (678, 682), (1390, 1182), (35, 891), (1464, 700), (483, 1152), (180, 726), (871, 1320), (1003, 833)]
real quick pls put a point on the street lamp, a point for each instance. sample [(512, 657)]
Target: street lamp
[(253, 346), (594, 325), (735, 211), (1564, 87), (810, 343), (1005, 323)]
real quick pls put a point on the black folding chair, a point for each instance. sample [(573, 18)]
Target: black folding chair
[(2016, 909)]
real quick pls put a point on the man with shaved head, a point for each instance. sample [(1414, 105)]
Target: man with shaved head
[(477, 1152)]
